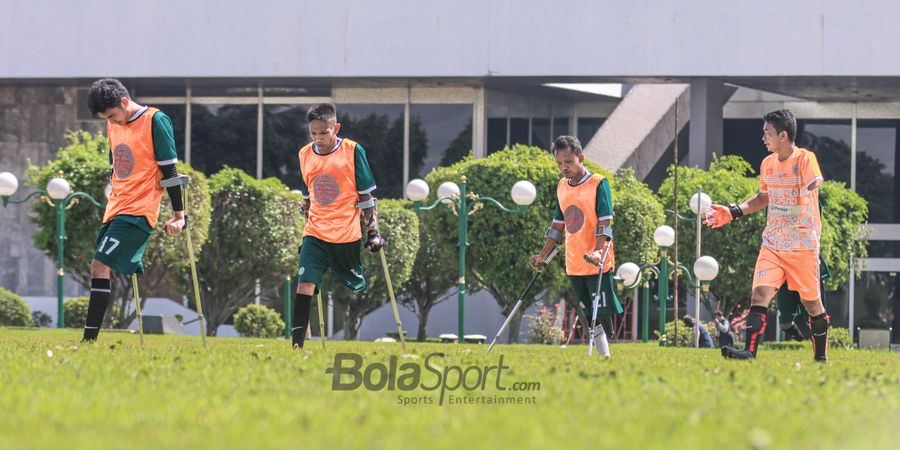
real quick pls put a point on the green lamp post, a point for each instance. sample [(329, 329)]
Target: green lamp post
[(60, 196), (631, 275), (464, 203)]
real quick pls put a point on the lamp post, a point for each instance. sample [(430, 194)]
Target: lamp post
[(463, 204), (630, 275), (60, 196), (699, 203)]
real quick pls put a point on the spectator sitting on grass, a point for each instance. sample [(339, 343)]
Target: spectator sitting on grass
[(705, 340)]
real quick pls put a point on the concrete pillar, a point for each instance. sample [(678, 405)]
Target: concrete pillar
[(706, 126)]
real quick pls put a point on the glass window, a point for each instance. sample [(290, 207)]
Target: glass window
[(496, 131), (518, 131), (223, 135), (440, 135), (379, 129), (587, 127), (157, 91), (743, 137), (284, 133), (295, 91), (876, 168), (540, 133), (224, 91), (876, 300), (560, 126), (830, 140)]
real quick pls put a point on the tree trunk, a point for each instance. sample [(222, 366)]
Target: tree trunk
[(422, 314), (352, 324), (515, 325)]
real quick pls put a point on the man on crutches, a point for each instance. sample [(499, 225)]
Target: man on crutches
[(142, 152), (582, 222), (337, 186)]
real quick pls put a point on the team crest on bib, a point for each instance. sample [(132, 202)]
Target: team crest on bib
[(325, 189), (123, 161), (574, 219)]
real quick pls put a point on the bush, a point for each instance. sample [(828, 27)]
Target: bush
[(543, 330), (41, 319), (637, 214), (76, 312), (684, 334), (839, 337), (14, 312), (255, 230), (258, 321)]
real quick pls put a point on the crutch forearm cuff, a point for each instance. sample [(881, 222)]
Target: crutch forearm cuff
[(604, 230), (554, 234)]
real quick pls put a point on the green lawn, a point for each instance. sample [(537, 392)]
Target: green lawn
[(247, 393)]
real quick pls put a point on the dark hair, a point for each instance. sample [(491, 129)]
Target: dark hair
[(567, 142), (104, 94), (719, 313), (688, 320), (783, 120), (323, 111)]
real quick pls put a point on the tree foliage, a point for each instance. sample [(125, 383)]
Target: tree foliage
[(399, 226), (255, 230)]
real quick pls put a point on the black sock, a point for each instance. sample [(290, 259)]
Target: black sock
[(819, 327), (793, 331), (99, 300), (756, 326), (300, 320)]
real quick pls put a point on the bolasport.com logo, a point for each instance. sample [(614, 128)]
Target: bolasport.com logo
[(418, 383)]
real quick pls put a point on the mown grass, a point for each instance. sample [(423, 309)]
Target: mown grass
[(249, 393)]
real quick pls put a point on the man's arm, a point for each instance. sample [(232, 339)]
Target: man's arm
[(166, 157), (754, 204), (555, 235)]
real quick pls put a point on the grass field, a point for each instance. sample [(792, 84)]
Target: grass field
[(247, 393)]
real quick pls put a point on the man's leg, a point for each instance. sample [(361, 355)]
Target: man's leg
[(312, 266), (300, 317), (120, 247), (804, 275), (756, 324), (99, 300), (789, 306), (819, 322)]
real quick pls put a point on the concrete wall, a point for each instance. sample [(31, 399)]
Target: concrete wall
[(399, 38), (33, 123)]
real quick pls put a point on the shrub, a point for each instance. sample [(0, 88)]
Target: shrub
[(258, 321), (839, 337), (14, 312), (41, 319), (543, 328), (76, 312)]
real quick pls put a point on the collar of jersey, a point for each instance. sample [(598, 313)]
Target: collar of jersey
[(138, 114), (587, 174), (337, 143)]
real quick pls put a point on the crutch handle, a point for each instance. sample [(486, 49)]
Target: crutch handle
[(180, 180)]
